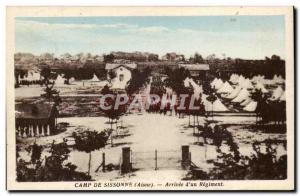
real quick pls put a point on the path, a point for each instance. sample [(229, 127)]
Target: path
[(148, 133)]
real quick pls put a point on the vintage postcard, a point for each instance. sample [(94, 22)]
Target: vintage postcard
[(150, 98)]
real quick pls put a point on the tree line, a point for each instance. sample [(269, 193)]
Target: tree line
[(268, 66)]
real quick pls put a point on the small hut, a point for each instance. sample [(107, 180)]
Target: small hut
[(197, 71), (35, 119)]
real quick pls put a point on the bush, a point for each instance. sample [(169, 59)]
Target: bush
[(89, 141), (52, 168), (234, 166)]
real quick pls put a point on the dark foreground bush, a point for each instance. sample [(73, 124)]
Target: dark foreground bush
[(51, 168), (234, 166)]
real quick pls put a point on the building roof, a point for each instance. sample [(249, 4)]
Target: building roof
[(195, 67), (33, 111), (155, 74), (110, 66)]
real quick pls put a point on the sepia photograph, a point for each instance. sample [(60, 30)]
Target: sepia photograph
[(150, 98)]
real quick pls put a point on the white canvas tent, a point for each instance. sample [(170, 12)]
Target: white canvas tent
[(234, 78), (36, 76), (234, 93), (269, 82), (197, 89), (251, 107), (258, 78), (276, 80), (241, 80), (94, 79), (279, 80), (217, 105), (282, 97), (261, 87), (71, 80), (33, 76), (194, 84), (218, 84), (59, 80), (186, 82), (213, 83), (246, 102), (246, 83), (243, 94), (277, 93), (226, 88)]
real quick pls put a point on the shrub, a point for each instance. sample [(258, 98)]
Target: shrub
[(52, 168)]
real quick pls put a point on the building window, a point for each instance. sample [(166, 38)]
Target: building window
[(121, 77)]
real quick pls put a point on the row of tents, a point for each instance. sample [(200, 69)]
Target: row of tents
[(277, 79), (216, 106), (31, 76), (239, 91), (60, 80)]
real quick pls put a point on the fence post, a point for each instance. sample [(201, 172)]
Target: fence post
[(155, 160), (126, 165), (103, 162), (185, 157)]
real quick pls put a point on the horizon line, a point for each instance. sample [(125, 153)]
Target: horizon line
[(159, 56)]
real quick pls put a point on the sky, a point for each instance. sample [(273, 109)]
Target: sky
[(248, 37)]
